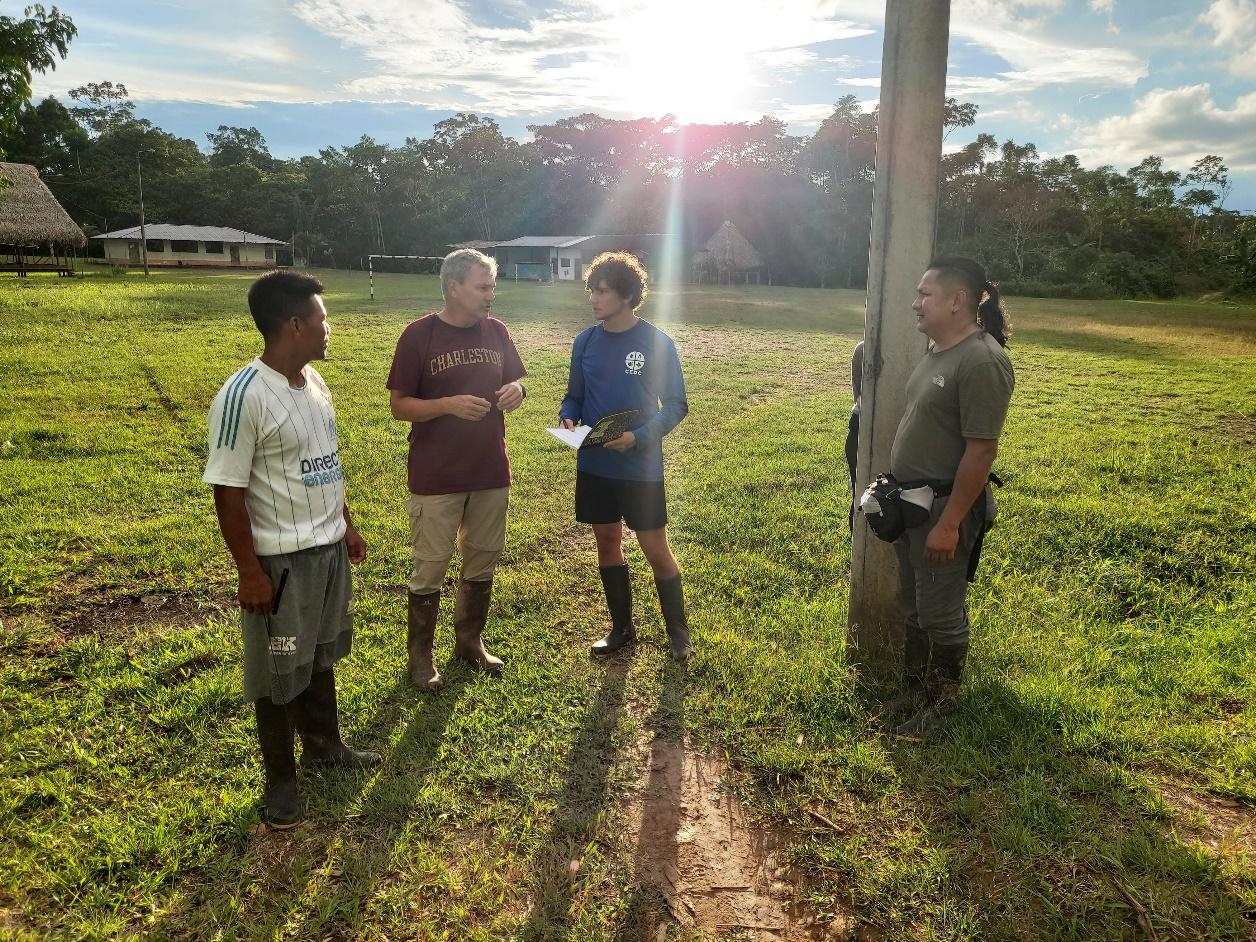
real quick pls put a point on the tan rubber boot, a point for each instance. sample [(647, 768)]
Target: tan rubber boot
[(470, 614), (420, 637)]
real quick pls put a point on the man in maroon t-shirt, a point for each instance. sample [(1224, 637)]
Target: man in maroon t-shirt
[(454, 376)]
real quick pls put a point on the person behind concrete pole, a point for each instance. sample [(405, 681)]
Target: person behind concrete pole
[(852, 427), (454, 376), (279, 492), (957, 400), (625, 363)]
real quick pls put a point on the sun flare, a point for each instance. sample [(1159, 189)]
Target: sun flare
[(693, 60)]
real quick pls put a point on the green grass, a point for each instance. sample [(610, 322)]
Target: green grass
[(1113, 657)]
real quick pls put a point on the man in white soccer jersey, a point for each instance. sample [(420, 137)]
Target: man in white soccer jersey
[(279, 492)]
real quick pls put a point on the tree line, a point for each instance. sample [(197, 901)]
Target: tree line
[(1042, 226)]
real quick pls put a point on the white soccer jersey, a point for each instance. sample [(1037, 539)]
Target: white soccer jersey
[(279, 443)]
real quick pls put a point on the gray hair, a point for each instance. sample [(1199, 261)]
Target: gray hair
[(458, 264)]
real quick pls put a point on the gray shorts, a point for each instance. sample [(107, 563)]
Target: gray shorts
[(311, 630)]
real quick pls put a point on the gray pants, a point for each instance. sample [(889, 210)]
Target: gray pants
[(933, 597), (312, 629)]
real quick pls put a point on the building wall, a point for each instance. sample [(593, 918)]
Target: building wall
[(574, 270), (252, 254)]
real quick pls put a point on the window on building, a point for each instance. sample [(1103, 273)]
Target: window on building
[(155, 245), (566, 262), (270, 253), (184, 246), (213, 248)]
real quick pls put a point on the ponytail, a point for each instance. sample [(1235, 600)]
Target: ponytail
[(990, 313), (991, 316)]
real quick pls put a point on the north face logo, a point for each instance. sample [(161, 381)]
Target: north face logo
[(634, 363)]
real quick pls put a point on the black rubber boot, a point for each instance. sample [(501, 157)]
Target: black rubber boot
[(420, 636), (672, 601), (618, 586), (281, 808), (470, 615), (911, 698), (943, 693), (317, 720)]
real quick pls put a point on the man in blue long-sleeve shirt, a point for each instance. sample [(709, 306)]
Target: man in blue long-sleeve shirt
[(623, 363)]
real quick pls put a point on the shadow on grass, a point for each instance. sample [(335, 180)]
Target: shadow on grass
[(274, 876), (1084, 341), (581, 809), (1036, 828), (661, 816)]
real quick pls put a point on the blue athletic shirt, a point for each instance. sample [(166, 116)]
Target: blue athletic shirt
[(613, 372)]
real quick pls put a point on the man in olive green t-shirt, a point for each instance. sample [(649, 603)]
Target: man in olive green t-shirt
[(957, 399)]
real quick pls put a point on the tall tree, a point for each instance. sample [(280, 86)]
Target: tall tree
[(29, 45), (103, 106)]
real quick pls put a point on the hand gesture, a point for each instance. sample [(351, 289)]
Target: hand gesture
[(509, 397), (471, 408)]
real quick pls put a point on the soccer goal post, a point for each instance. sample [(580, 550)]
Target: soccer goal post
[(402, 264)]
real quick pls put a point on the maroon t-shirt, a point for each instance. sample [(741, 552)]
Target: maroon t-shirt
[(449, 455)]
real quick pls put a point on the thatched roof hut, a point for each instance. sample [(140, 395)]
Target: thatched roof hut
[(729, 251), (30, 214)]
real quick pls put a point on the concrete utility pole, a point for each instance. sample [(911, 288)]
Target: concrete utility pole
[(139, 175), (905, 200)]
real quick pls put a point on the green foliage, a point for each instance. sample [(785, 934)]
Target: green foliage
[(1049, 227), (29, 45)]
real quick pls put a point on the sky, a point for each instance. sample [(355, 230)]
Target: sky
[(1111, 81)]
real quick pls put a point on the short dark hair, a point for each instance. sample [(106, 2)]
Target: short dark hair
[(279, 295), (969, 274), (623, 273)]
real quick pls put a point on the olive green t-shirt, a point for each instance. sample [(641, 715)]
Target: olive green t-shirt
[(962, 392)]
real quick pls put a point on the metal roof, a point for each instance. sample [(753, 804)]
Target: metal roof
[(555, 242), (161, 230)]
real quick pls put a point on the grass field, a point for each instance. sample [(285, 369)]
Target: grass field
[(1097, 784)]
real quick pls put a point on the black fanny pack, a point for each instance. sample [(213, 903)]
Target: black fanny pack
[(891, 506)]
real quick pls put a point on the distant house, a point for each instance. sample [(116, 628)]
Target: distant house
[(563, 258), (728, 256), (36, 233), (190, 246)]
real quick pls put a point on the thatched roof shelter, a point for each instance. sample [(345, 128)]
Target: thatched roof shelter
[(730, 251), (30, 214)]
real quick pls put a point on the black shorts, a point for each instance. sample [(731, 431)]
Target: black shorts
[(640, 504)]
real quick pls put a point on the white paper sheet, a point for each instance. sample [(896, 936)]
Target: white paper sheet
[(572, 437)]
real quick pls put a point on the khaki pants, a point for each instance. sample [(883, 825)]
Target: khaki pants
[(477, 519)]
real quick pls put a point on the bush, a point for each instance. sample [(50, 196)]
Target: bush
[(1038, 288)]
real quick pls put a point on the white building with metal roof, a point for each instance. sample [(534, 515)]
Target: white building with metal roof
[(563, 257), (190, 246)]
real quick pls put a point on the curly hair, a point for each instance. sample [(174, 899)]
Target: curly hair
[(623, 273)]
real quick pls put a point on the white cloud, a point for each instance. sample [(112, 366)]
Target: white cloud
[(696, 58), (802, 115), (150, 83), (1181, 125), (1017, 33), (790, 60), (1234, 25)]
